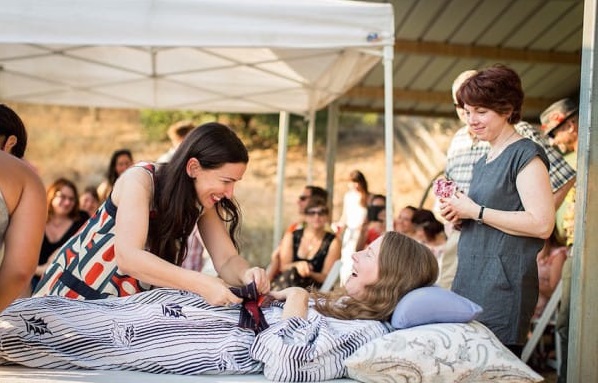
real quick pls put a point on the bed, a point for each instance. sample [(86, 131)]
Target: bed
[(431, 337)]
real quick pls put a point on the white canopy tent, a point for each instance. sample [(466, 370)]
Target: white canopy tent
[(258, 56)]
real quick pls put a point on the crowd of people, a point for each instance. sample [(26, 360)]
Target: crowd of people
[(502, 238)]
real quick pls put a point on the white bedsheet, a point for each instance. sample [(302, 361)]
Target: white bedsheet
[(14, 374)]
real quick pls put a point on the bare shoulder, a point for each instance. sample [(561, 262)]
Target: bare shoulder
[(16, 177), (135, 181)]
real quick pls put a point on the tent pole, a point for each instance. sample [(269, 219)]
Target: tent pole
[(283, 138), (311, 136), (388, 131), (331, 143)]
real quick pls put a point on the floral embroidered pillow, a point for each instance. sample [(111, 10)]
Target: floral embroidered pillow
[(445, 352)]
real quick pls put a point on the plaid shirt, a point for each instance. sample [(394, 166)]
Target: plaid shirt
[(464, 152)]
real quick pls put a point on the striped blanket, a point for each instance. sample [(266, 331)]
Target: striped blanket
[(171, 331)]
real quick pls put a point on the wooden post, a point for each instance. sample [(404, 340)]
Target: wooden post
[(583, 330)]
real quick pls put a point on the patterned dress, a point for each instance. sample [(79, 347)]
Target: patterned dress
[(85, 266)]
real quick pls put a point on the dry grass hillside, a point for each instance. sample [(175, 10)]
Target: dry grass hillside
[(77, 142)]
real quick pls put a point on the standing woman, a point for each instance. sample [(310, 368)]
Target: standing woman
[(64, 219), (508, 212), (138, 238), (120, 161), (352, 219)]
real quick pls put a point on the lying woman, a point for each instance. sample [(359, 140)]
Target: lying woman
[(173, 331)]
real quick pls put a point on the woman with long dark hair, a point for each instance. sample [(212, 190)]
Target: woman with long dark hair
[(138, 238)]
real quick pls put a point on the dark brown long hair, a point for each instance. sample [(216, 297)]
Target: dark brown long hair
[(12, 125), (404, 265), (175, 199)]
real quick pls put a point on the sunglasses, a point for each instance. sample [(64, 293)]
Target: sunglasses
[(320, 212)]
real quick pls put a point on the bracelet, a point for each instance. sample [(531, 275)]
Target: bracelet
[(480, 219)]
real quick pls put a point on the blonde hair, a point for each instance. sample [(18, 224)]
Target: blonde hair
[(403, 265)]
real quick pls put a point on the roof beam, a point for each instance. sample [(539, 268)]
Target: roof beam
[(423, 96), (484, 52)]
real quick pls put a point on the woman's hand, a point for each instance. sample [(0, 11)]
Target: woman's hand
[(458, 207), (257, 275), (296, 301), (303, 268), (217, 293)]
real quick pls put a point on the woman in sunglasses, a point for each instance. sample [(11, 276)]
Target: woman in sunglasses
[(308, 253)]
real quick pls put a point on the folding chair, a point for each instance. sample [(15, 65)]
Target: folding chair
[(332, 277), (549, 314)]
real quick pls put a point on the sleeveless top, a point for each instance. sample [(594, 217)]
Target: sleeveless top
[(4, 219), (497, 270), (85, 266), (317, 261)]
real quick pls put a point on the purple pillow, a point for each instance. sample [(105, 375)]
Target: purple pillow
[(433, 304)]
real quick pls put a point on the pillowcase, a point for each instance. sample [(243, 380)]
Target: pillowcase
[(445, 352), (433, 304)]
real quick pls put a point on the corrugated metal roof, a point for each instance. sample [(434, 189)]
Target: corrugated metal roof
[(438, 39)]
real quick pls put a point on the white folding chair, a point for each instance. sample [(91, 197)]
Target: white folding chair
[(332, 277), (549, 314)]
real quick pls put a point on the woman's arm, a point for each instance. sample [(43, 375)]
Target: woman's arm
[(296, 301), (25, 197), (537, 218), (133, 194), (231, 267), (334, 254)]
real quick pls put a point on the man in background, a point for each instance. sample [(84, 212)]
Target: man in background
[(176, 133), (560, 124)]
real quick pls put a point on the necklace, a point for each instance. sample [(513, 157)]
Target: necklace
[(497, 149)]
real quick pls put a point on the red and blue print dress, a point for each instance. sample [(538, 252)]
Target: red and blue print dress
[(85, 266)]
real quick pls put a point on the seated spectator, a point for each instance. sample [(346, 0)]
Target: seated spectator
[(308, 253), (550, 265), (120, 161), (309, 191), (64, 219), (402, 223), (176, 133), (375, 224), (89, 200), (429, 231)]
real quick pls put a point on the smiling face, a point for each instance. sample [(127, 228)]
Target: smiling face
[(484, 123), (211, 185), (365, 269), (63, 201), (403, 222)]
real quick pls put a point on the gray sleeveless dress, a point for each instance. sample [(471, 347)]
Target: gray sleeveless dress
[(4, 218), (496, 270)]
